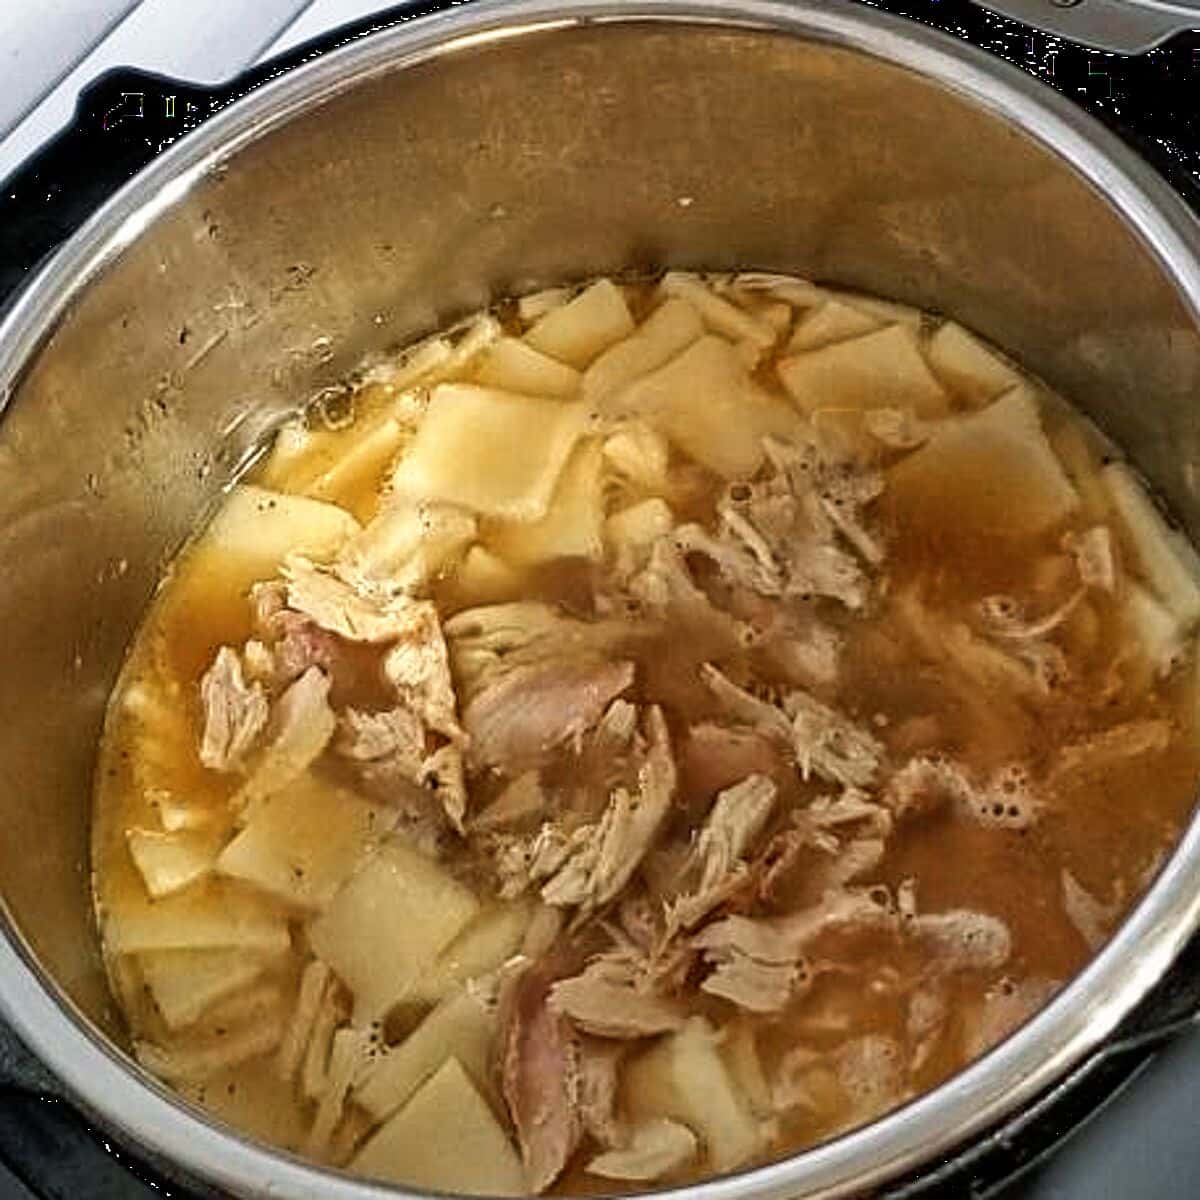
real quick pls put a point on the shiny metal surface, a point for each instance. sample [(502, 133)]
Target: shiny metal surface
[(1121, 26), (418, 173)]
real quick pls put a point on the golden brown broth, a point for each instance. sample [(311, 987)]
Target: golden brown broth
[(1109, 829)]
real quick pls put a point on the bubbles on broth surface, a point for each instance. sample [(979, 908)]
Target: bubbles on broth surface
[(640, 731)]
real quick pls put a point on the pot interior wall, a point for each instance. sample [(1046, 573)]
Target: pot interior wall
[(418, 194)]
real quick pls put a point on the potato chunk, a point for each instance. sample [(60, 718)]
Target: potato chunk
[(205, 918), (672, 327), (967, 367), (512, 365), (994, 469), (460, 1028), (186, 983), (571, 527), (881, 369), (170, 862), (705, 402), (446, 1140), (387, 925), (303, 843), (1166, 560), (579, 330), (832, 322), (483, 946), (685, 1078), (493, 452), (256, 529)]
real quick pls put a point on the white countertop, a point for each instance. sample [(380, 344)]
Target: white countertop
[(51, 49)]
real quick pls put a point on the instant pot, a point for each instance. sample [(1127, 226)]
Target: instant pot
[(367, 188)]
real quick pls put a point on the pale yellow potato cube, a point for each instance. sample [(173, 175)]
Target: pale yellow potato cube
[(705, 402), (967, 367), (407, 544), (1164, 557), (672, 327), (1154, 627), (514, 366), (832, 322), (361, 462), (640, 455), (572, 526), (489, 941), (535, 305), (446, 1140), (303, 843), (881, 369), (576, 332), (684, 1077), (388, 924), (485, 578), (194, 1061), (462, 1027), (993, 469), (254, 530), (886, 312), (492, 452), (211, 916), (184, 984), (719, 315), (169, 862), (632, 532)]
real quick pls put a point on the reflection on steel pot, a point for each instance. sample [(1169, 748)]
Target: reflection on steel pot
[(414, 175)]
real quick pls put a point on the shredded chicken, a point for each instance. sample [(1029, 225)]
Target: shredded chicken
[(235, 713), (754, 966), (541, 1079), (606, 1000), (418, 669), (655, 1148), (737, 818), (599, 1064), (1099, 753), (784, 536), (603, 859), (665, 589), (339, 608)]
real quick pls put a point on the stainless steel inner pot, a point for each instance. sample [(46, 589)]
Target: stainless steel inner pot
[(368, 196)]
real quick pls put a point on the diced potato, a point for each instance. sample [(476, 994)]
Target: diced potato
[(314, 983), (444, 355), (994, 469), (967, 367), (314, 1071), (303, 843), (388, 924), (791, 289), (490, 940), (461, 1028), (485, 578), (672, 327), (719, 316), (514, 366), (705, 402), (579, 330), (572, 526), (169, 862), (492, 452), (407, 544), (1080, 453), (358, 469), (1166, 560), (185, 813), (832, 322), (886, 312), (684, 1077), (194, 1061), (881, 369), (299, 453), (345, 1057), (740, 1052), (1154, 627), (185, 983), (211, 917), (255, 530), (535, 305), (632, 532), (447, 1140), (640, 455)]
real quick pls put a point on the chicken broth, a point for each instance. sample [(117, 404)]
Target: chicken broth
[(640, 732)]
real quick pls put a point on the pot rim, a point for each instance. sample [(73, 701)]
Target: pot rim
[(1074, 1025)]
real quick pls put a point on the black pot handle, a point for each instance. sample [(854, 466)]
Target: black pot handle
[(122, 121)]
